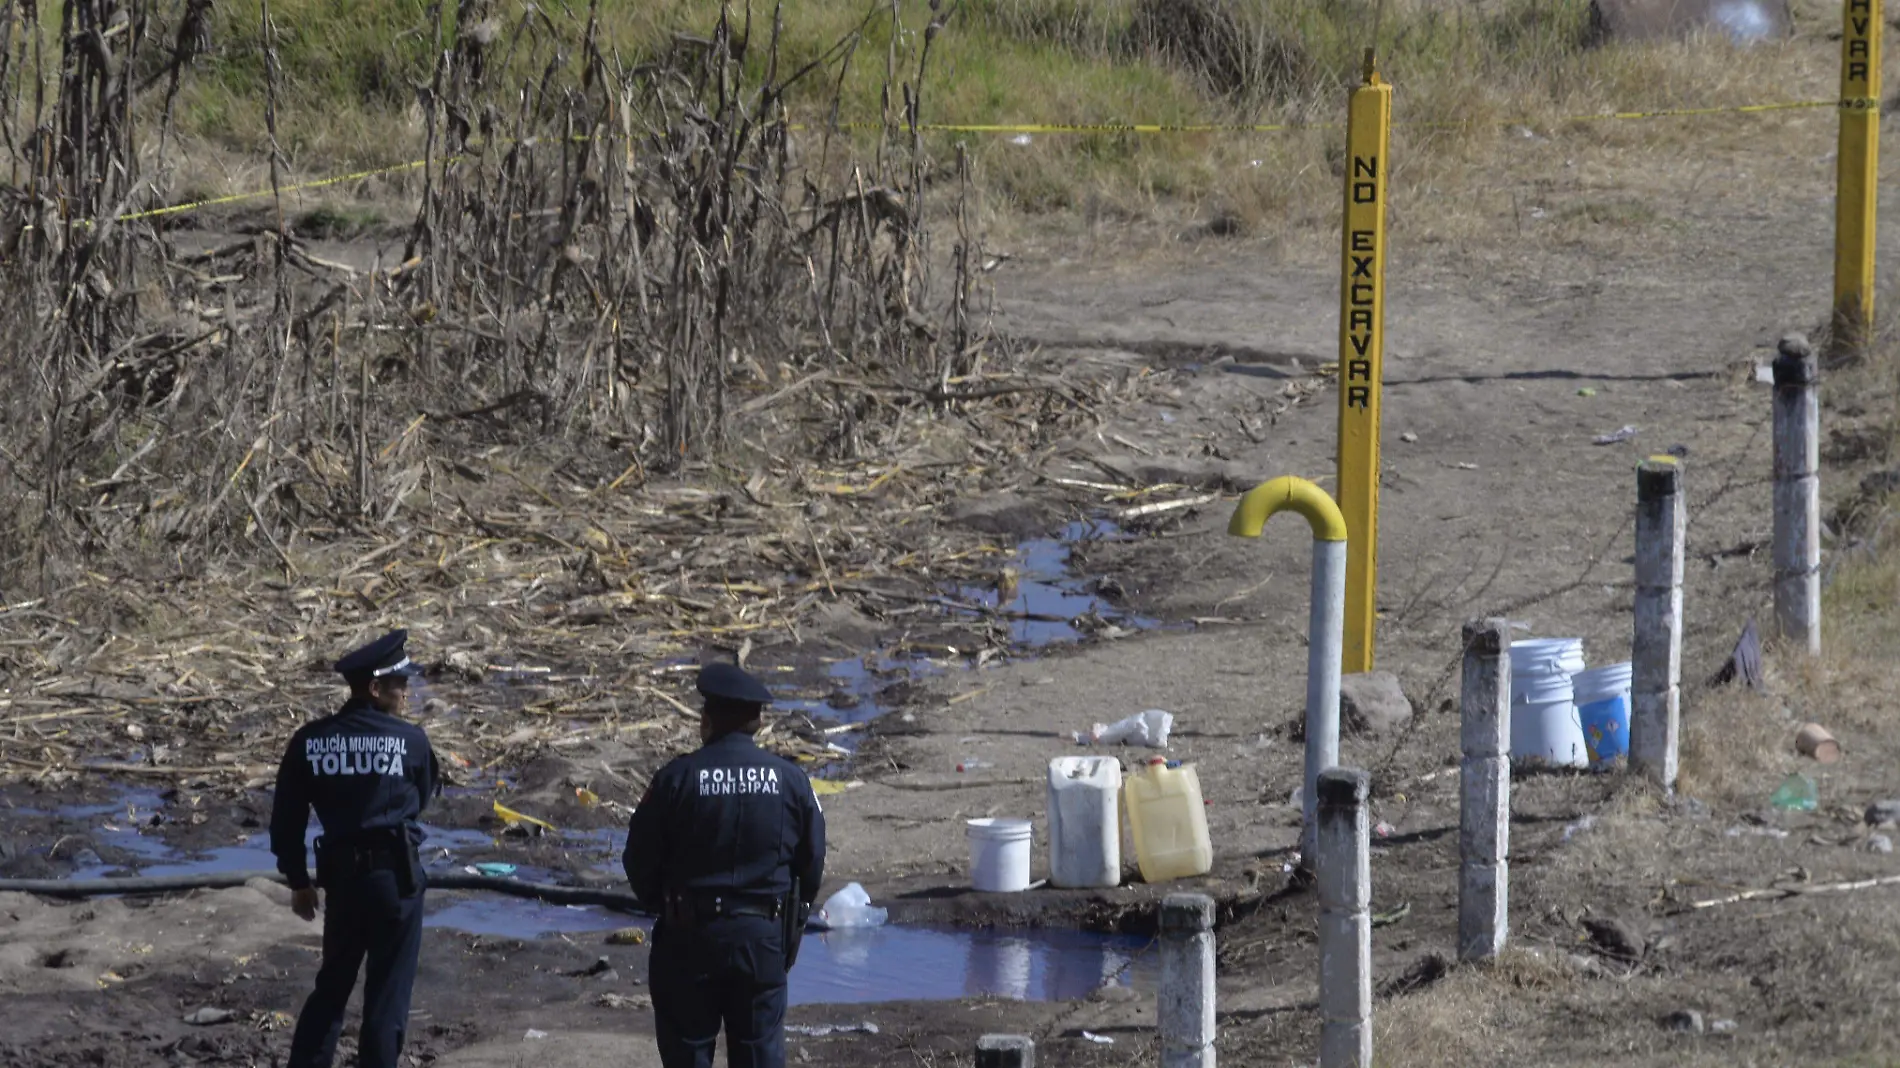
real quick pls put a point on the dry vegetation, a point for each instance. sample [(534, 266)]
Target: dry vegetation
[(634, 342)]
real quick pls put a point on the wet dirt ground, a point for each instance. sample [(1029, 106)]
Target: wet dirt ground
[(1510, 349)]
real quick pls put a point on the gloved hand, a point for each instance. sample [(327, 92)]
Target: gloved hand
[(305, 903)]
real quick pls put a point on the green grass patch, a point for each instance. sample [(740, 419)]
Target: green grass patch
[(352, 69)]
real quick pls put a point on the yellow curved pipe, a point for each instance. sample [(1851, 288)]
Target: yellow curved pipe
[(1282, 494)]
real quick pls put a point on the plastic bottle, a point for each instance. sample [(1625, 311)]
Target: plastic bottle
[(1797, 792), (1169, 822), (851, 907)]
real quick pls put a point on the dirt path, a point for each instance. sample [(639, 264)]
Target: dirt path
[(1514, 339)]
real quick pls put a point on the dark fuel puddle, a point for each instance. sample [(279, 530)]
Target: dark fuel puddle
[(1049, 604)]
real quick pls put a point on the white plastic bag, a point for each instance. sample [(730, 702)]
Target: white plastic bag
[(850, 907), (1148, 728)]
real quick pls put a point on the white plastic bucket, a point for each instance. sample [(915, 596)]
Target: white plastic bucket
[(1085, 835), (1545, 656), (1545, 727), (999, 855)]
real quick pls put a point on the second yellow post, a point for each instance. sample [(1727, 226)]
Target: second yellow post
[(1857, 180)]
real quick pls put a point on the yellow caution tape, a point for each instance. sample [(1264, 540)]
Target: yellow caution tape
[(1076, 127), (1676, 113), (1150, 127), (292, 188), (1034, 128)]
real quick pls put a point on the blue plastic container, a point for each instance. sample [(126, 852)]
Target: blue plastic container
[(1603, 709)]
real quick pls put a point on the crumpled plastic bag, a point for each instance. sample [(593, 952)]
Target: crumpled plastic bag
[(1148, 728), (850, 907)]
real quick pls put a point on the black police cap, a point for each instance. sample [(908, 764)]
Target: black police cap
[(729, 682), (383, 657)]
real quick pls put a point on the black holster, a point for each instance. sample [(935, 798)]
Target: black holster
[(793, 915), (409, 877), (396, 854), (326, 873)]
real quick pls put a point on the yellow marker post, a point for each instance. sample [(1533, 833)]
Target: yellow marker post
[(1361, 351), (1856, 188)]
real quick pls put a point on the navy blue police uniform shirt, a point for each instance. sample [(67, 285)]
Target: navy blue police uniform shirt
[(363, 770), (728, 818)]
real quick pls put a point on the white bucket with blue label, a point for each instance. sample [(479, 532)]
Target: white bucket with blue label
[(1544, 724), (1603, 710)]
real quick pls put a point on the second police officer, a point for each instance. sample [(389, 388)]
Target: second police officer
[(368, 773), (728, 848)]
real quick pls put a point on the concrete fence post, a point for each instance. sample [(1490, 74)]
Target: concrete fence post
[(1005, 1051), (1186, 999), (1656, 652), (1484, 824), (1797, 495), (1344, 874)]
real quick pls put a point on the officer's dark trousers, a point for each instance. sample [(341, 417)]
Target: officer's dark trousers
[(364, 922), (730, 971)]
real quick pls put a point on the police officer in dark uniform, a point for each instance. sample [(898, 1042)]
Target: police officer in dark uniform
[(368, 773), (728, 848)]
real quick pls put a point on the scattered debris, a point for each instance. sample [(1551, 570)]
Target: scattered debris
[(821, 1030), (1613, 437), (510, 818), (1571, 830), (601, 966), (1687, 1021), (1813, 740), (1883, 814), (1878, 843), (1148, 728), (1585, 964), (1797, 793), (850, 907), (1099, 1039), (628, 936), (1616, 939), (1723, 1027), (1739, 830), (533, 1034), (612, 1000), (209, 1016), (1408, 437), (1744, 662), (493, 868), (1422, 973), (1387, 919), (1778, 893)]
